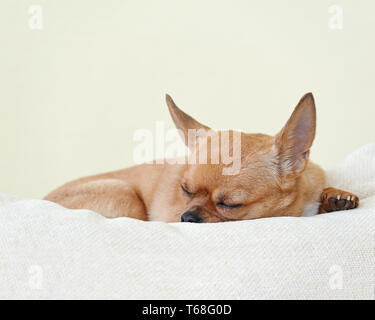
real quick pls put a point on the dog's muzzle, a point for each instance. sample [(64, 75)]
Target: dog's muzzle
[(191, 216)]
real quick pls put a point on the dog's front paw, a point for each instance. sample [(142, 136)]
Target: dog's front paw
[(335, 200)]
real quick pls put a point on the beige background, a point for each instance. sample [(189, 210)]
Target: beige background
[(73, 93)]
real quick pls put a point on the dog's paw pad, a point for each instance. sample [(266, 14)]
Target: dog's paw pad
[(335, 200)]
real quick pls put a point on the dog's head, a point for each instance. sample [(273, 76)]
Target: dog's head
[(262, 181)]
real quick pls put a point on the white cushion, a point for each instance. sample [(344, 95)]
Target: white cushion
[(47, 251)]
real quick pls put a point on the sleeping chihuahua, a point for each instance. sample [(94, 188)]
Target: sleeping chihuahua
[(275, 178)]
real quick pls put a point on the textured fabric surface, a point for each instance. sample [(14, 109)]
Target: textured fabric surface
[(50, 252)]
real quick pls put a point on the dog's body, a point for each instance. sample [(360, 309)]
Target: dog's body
[(276, 178)]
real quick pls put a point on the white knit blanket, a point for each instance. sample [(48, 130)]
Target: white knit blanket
[(50, 252)]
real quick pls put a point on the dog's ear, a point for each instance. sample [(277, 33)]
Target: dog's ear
[(182, 120), (295, 139)]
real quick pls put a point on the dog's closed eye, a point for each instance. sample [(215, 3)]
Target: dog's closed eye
[(223, 205), (186, 192)]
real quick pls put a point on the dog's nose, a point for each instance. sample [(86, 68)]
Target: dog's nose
[(189, 216)]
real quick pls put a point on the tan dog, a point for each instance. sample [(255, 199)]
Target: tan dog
[(276, 178)]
